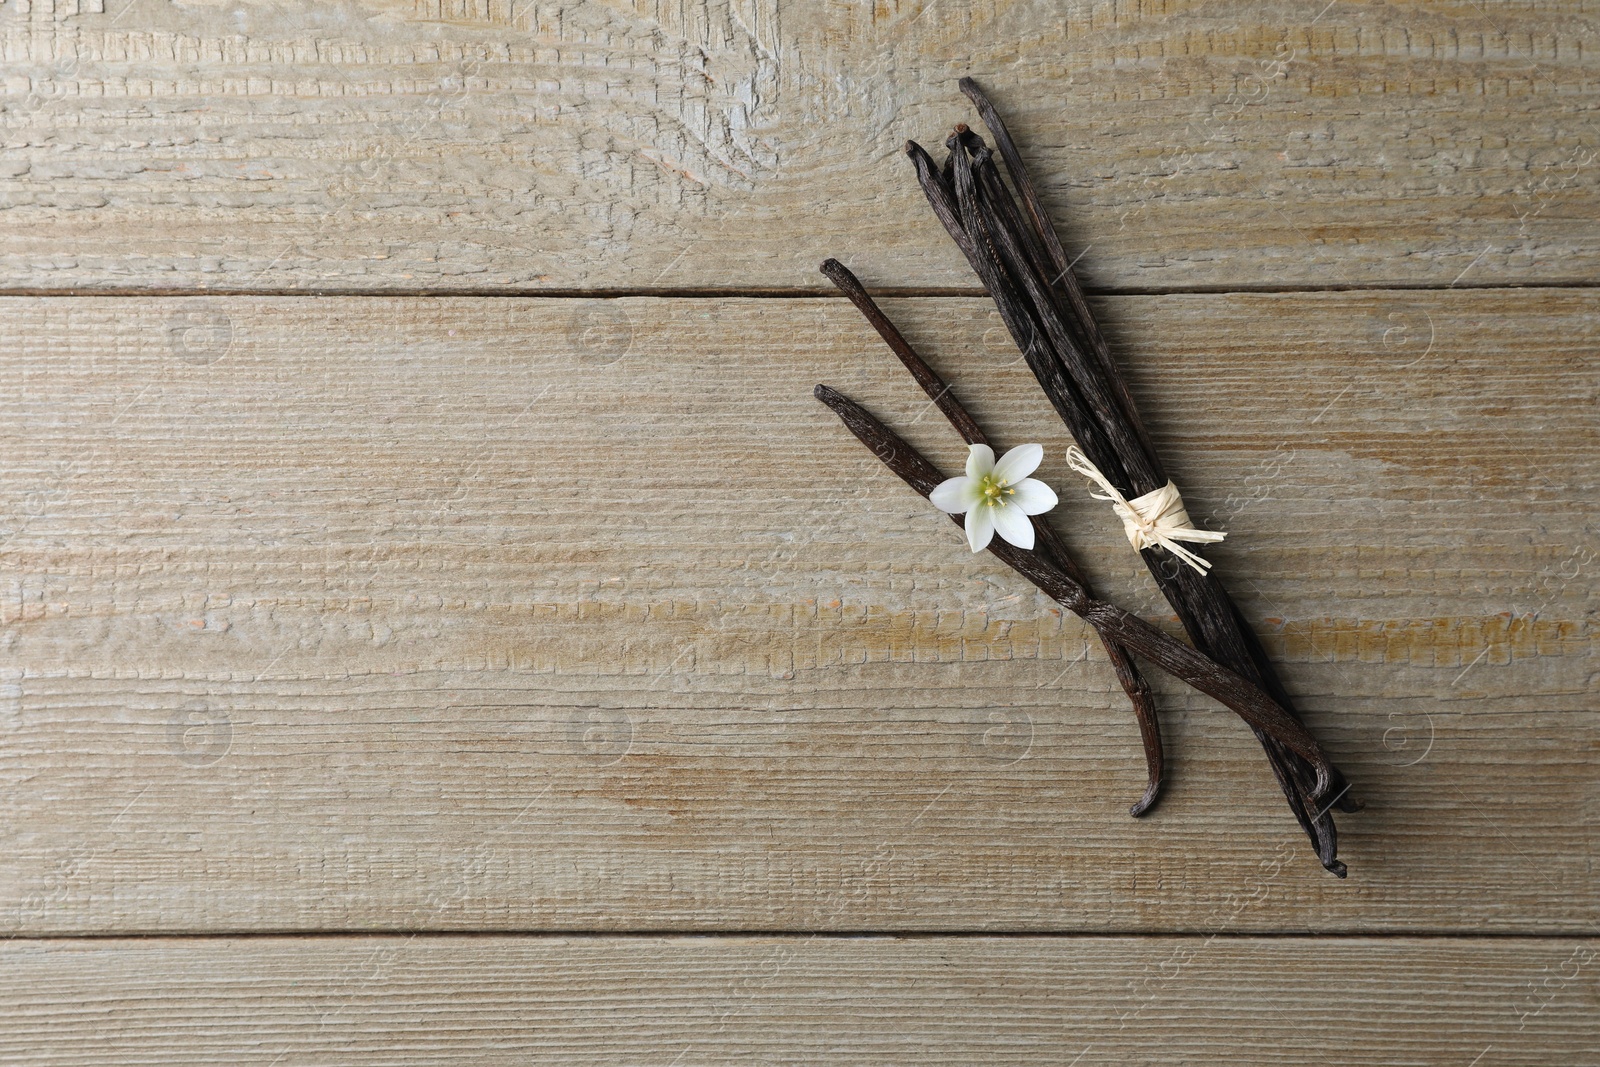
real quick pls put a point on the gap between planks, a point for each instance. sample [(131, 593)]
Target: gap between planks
[(792, 293), (690, 934)]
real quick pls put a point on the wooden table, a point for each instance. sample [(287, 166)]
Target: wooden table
[(440, 626)]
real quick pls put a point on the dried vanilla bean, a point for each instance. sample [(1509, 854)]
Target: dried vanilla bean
[(1052, 257), (1234, 691), (1026, 272), (1132, 682)]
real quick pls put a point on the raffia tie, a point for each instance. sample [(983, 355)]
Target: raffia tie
[(1157, 518)]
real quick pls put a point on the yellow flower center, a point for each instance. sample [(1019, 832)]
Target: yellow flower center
[(994, 491)]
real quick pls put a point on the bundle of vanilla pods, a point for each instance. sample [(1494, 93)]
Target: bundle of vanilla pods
[(1017, 254)]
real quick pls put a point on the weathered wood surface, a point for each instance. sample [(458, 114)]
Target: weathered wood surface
[(656, 1000), (439, 144), (582, 614)]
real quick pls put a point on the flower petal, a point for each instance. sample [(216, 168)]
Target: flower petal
[(1018, 463), (955, 495), (1032, 496), (1011, 524), (980, 461), (980, 527)]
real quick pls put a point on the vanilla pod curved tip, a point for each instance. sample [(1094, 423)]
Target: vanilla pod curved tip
[(1144, 803)]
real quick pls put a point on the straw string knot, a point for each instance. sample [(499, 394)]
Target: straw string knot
[(1157, 519)]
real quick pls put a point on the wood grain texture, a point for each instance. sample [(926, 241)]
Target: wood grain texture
[(654, 1000), (457, 613), (439, 144)]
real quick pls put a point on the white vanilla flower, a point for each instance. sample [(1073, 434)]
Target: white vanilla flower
[(997, 497)]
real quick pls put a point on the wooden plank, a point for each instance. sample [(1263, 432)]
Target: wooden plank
[(937, 1000), (581, 614), (529, 144)]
